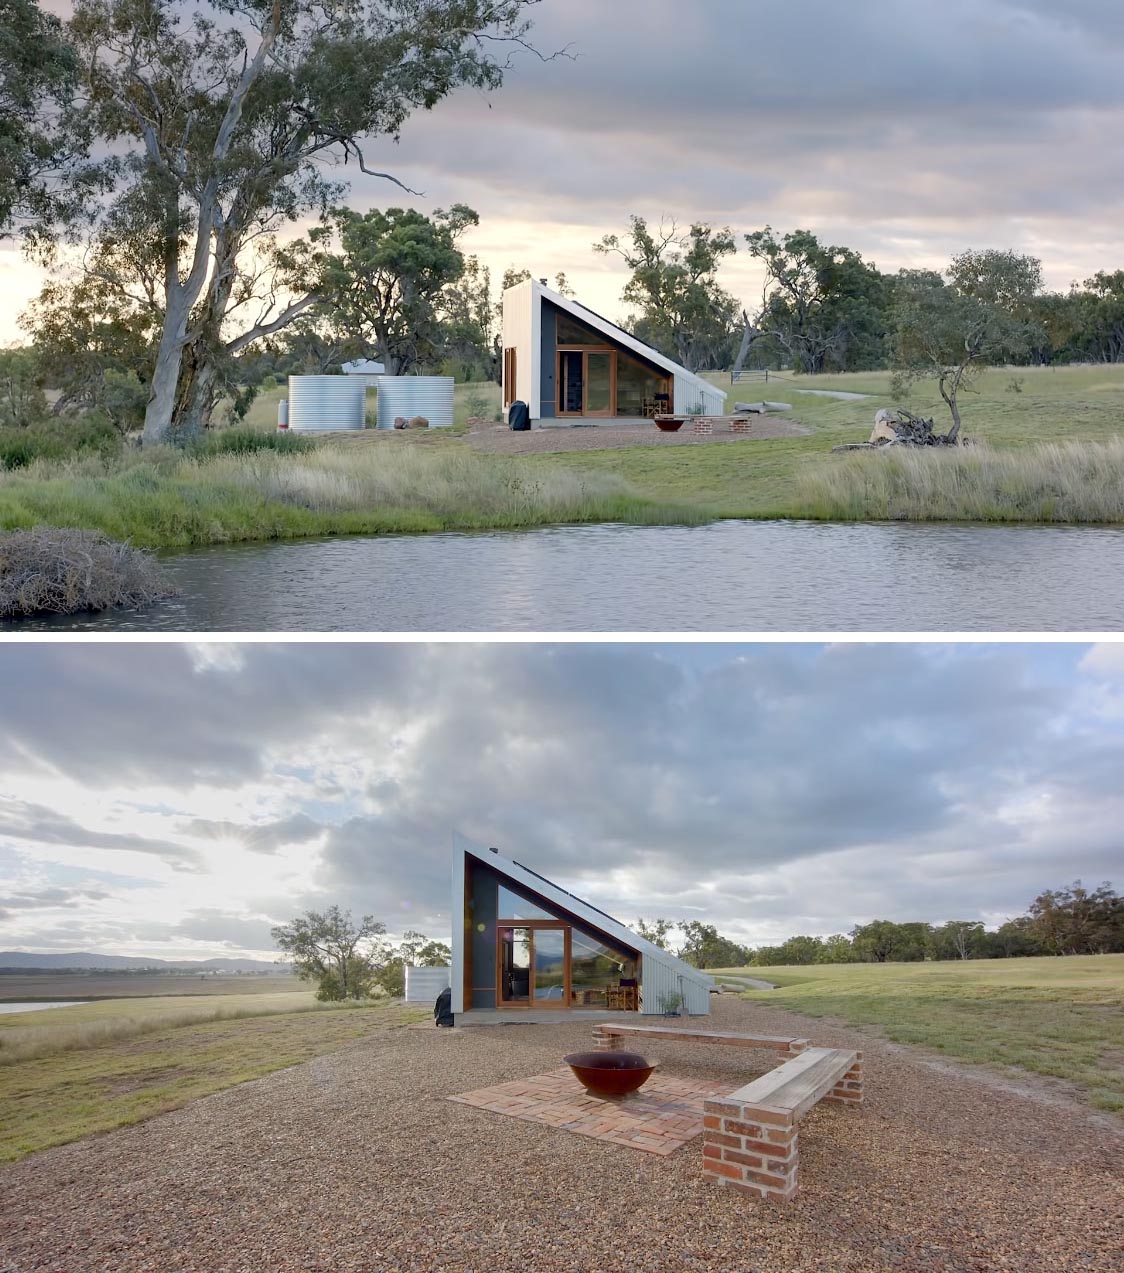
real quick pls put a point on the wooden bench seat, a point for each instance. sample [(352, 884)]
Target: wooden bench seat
[(607, 1037), (750, 1137)]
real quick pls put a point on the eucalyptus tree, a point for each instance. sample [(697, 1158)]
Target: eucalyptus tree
[(389, 284), (38, 81), (681, 308), (823, 305), (229, 112), (950, 333)]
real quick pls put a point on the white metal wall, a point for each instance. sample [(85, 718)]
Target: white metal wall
[(660, 980), (521, 333), (326, 403), (423, 985), (408, 396), (689, 395)]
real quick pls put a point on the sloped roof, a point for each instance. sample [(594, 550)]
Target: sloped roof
[(576, 906), (619, 335)]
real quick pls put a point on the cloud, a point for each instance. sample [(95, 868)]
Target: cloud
[(765, 788), (30, 824)]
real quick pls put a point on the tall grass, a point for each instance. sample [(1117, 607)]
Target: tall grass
[(114, 1021), (1052, 482), (174, 499)]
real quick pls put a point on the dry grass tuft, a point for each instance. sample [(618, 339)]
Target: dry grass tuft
[(47, 570), (1053, 482)]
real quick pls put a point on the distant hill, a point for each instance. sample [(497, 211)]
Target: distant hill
[(22, 961)]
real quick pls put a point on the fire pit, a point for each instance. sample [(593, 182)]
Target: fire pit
[(610, 1073), (668, 424)]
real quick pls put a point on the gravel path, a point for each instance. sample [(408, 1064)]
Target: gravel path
[(502, 441), (355, 1161)]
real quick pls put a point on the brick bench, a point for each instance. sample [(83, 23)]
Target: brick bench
[(608, 1036), (750, 1137)]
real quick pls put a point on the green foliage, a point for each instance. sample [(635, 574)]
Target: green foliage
[(981, 317), (386, 286), (658, 932), (825, 307), (680, 307), (704, 947), (22, 400), (38, 75), (57, 439), (329, 948)]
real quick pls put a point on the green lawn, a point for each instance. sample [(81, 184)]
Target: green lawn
[(763, 479), (1059, 1017), (66, 1095)]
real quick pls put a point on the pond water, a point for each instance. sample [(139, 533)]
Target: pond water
[(38, 1007), (726, 576)]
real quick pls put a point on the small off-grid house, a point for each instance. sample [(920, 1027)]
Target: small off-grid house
[(521, 942), (568, 363)]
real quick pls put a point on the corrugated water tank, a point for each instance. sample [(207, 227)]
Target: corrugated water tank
[(326, 403), (423, 985), (408, 396)]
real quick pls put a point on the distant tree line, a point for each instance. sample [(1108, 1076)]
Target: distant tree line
[(1064, 921)]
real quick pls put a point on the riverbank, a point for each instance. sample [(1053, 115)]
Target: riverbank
[(438, 480), (170, 499)]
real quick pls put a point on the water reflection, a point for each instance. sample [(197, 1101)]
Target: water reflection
[(729, 576)]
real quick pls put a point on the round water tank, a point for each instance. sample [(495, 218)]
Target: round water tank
[(319, 404), (408, 396)]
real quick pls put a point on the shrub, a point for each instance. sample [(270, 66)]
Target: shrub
[(63, 571), (22, 400), (245, 441), (57, 438)]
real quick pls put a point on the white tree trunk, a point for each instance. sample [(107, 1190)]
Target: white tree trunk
[(169, 358)]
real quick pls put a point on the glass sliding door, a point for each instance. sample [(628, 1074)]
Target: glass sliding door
[(599, 397), (587, 382), (571, 382), (515, 965), (550, 967)]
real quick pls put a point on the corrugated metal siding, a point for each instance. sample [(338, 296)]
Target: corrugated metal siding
[(690, 394), (408, 396), (660, 979), (423, 985), (520, 332), (326, 403)]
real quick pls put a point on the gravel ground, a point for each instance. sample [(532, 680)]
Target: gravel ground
[(500, 440), (355, 1161)]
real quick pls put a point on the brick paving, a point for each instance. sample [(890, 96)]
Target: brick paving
[(659, 1119)]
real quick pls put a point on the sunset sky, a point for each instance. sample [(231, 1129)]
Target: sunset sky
[(908, 129), (177, 799)]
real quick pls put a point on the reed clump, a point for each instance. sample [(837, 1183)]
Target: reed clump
[(1072, 482)]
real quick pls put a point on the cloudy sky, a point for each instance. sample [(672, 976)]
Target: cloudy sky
[(908, 129), (178, 799)]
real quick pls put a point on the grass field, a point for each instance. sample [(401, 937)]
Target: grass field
[(431, 481), (776, 478), (43, 987), (1058, 1017), (110, 1064)]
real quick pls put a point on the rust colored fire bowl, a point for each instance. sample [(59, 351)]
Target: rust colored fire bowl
[(668, 424), (610, 1073)]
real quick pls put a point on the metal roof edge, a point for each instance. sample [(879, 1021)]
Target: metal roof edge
[(593, 319), (576, 905)]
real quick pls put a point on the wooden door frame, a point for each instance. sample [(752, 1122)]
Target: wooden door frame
[(612, 351), (532, 924)]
